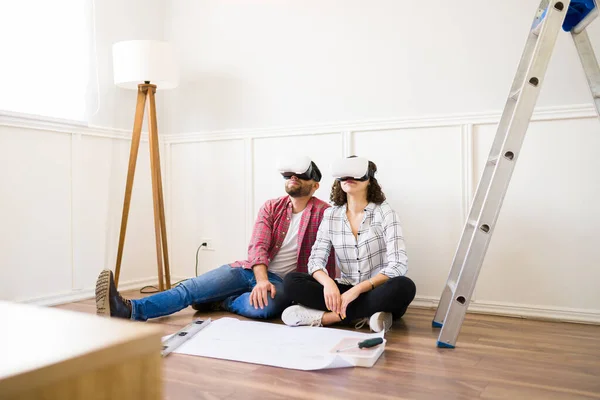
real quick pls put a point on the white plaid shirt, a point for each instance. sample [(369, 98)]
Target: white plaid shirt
[(379, 248)]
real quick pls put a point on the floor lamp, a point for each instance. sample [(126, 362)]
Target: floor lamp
[(146, 66)]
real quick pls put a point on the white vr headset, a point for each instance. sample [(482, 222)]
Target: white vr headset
[(356, 168), (302, 167)]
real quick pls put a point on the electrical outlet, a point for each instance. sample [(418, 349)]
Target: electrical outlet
[(209, 244)]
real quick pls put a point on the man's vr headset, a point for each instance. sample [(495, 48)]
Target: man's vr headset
[(300, 167), (355, 168)]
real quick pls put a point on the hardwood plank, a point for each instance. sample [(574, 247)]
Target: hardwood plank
[(496, 357), (496, 391)]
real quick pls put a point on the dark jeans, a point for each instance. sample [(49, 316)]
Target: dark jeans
[(393, 296)]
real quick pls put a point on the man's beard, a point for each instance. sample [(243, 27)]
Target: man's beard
[(300, 190)]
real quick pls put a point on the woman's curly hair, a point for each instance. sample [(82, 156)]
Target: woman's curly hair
[(374, 193)]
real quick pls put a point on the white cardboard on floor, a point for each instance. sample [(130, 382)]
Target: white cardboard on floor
[(303, 347)]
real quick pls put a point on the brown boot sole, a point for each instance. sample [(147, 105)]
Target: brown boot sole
[(102, 288)]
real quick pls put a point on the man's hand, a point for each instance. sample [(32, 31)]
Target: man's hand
[(331, 292), (259, 296), (347, 298)]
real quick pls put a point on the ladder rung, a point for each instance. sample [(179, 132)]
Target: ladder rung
[(452, 286)]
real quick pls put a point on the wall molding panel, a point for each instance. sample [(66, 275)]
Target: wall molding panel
[(466, 124), (96, 160), (462, 127)]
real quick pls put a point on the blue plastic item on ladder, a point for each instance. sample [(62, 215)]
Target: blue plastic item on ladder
[(577, 12)]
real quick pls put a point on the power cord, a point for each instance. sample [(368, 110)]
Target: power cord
[(144, 291)]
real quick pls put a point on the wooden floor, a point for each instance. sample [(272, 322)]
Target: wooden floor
[(495, 358)]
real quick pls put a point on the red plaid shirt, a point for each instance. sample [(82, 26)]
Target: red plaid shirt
[(271, 226)]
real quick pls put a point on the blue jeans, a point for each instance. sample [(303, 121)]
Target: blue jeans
[(230, 285)]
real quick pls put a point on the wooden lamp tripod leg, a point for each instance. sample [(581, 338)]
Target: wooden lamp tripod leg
[(157, 191), (135, 144)]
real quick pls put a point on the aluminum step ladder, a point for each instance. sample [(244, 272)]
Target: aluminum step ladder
[(551, 16)]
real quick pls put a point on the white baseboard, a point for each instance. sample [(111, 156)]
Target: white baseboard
[(545, 313), (527, 311), (427, 302), (89, 293)]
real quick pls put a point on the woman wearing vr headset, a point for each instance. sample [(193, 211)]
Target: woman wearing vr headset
[(366, 236)]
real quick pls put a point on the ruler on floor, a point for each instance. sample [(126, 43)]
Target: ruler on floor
[(183, 335)]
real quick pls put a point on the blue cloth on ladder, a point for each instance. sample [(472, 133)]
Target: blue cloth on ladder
[(577, 11)]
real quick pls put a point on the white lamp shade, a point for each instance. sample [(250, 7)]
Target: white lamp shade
[(138, 61)]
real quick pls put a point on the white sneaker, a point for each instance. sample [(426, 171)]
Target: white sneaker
[(380, 321), (300, 315)]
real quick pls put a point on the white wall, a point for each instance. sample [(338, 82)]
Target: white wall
[(543, 256), (207, 189), (417, 88), (337, 79), (60, 205), (115, 21), (283, 63), (62, 185), (544, 250)]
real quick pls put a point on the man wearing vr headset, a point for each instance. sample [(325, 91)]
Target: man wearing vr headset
[(282, 238), (367, 239)]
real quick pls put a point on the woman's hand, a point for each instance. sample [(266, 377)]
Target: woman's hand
[(348, 297), (331, 292)]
